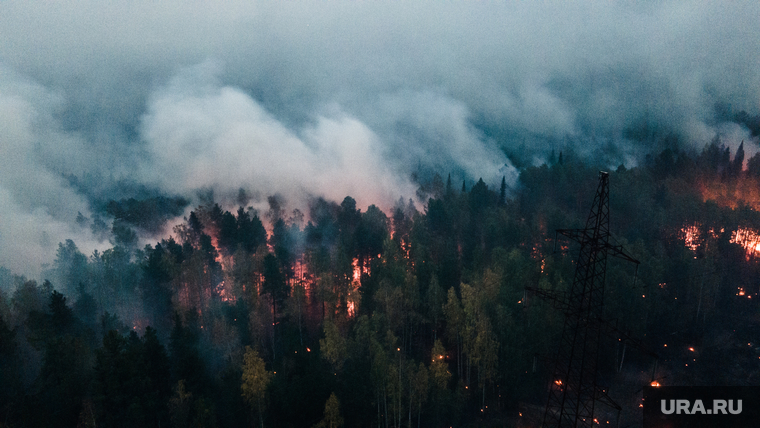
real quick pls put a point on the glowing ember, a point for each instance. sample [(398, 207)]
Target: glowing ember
[(691, 349), (226, 295), (654, 383), (749, 239), (691, 236), (357, 270)]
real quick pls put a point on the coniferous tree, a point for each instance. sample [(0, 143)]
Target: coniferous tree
[(738, 163), (251, 232), (10, 377), (753, 166), (274, 282), (228, 233), (184, 353)]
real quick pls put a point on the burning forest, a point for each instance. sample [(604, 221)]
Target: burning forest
[(367, 214), (411, 315)]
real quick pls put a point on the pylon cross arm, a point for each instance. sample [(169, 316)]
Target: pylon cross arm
[(577, 235), (619, 252)]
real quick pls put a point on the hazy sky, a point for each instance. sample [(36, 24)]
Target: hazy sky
[(342, 98)]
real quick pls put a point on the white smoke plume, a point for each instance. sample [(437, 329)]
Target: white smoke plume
[(343, 98), (37, 206), (203, 135)]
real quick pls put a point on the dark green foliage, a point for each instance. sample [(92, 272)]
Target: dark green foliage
[(61, 316), (148, 214), (753, 166), (70, 266), (251, 232), (158, 270), (10, 377), (195, 224), (185, 357), (420, 315), (715, 157), (321, 234), (64, 377), (283, 242), (231, 410), (438, 217), (274, 282), (738, 163), (85, 307), (371, 232), (228, 233), (480, 197), (209, 256), (99, 228), (131, 380), (110, 322), (63, 381), (123, 235)]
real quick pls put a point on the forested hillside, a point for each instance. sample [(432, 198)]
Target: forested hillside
[(418, 316)]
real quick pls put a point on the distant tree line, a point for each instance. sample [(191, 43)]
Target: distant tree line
[(414, 317)]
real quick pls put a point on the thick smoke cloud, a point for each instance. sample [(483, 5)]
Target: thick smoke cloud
[(344, 98), (37, 206), (200, 134)]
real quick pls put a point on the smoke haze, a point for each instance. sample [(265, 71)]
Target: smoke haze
[(341, 98)]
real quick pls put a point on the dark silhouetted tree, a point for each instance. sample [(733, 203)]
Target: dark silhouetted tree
[(251, 232), (738, 164), (228, 233)]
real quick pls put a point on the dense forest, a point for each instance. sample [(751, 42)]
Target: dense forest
[(409, 318)]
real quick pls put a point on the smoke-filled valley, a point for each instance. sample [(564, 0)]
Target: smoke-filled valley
[(326, 214)]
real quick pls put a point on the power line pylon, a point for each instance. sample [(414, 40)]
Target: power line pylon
[(574, 390)]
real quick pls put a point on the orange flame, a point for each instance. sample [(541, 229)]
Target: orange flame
[(691, 236), (749, 239), (357, 270)]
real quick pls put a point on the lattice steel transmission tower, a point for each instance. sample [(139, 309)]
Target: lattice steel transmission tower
[(574, 390)]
